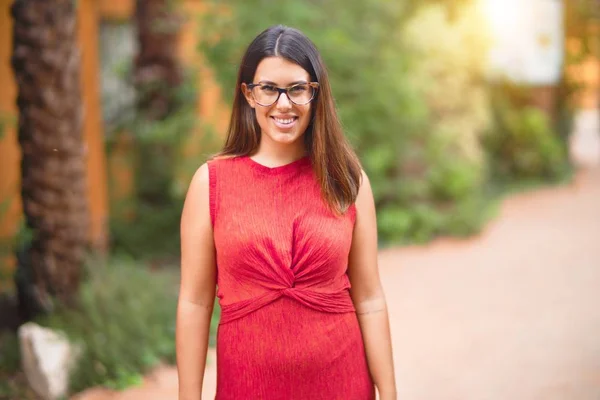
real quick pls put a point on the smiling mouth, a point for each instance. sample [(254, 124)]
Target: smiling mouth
[(285, 121)]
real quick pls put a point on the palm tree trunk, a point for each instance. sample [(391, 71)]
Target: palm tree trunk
[(157, 77), (46, 63), (157, 68)]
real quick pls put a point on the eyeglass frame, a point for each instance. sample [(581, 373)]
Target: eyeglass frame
[(314, 85)]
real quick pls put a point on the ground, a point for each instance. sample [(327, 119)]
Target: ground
[(510, 314)]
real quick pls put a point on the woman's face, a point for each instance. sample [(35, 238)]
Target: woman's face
[(282, 122)]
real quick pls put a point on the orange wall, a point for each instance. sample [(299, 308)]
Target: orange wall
[(93, 135), (9, 149), (115, 10), (93, 130)]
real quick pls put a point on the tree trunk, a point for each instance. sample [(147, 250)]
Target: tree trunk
[(157, 78), (157, 68), (46, 63)]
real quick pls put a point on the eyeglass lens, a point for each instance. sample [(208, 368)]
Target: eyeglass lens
[(268, 94)]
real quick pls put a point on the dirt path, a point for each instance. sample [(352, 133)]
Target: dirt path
[(511, 314)]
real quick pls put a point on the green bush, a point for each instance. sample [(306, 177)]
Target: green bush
[(522, 144), (407, 83), (10, 359), (6, 246), (443, 171), (125, 323), (13, 383)]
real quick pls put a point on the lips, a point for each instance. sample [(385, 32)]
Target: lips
[(285, 122)]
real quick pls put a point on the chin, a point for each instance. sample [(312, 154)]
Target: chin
[(284, 137)]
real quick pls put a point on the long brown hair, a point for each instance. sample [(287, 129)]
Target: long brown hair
[(334, 161)]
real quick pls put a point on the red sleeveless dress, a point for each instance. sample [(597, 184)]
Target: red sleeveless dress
[(288, 328)]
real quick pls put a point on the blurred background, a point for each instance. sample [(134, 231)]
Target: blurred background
[(476, 120)]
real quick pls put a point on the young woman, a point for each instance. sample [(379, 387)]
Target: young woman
[(282, 221)]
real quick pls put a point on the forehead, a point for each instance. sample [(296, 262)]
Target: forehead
[(280, 71)]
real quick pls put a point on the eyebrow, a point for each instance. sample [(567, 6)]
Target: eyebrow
[(275, 84)]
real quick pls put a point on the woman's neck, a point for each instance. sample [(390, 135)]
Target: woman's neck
[(278, 155)]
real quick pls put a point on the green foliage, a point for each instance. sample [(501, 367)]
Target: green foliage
[(214, 323), (146, 226), (443, 173), (124, 323), (522, 144), (406, 81), (7, 121), (6, 245), (13, 383), (151, 234), (10, 359)]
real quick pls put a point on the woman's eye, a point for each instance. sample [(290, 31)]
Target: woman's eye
[(268, 88), (298, 89)]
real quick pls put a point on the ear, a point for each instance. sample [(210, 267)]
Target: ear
[(248, 95)]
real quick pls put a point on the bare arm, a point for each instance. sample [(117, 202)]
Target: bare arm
[(367, 294), (197, 287)]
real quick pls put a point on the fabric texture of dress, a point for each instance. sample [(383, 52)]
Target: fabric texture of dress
[(288, 327)]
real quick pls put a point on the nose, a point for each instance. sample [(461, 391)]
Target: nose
[(283, 102)]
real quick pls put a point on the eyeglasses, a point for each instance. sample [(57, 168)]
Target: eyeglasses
[(266, 94)]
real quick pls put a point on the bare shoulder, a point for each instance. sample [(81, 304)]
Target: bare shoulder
[(364, 192), (200, 181), (365, 203), (197, 198), (364, 178)]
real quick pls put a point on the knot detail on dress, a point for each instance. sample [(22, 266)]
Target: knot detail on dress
[(316, 298)]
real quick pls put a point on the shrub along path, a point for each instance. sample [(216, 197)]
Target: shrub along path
[(510, 314)]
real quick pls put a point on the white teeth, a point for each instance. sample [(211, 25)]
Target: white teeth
[(284, 121)]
